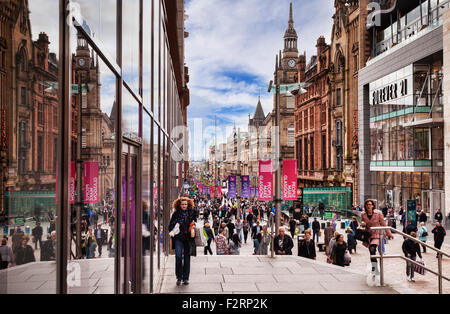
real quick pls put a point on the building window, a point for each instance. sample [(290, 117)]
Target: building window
[(40, 113), (23, 96), (312, 154), (40, 153), (23, 147), (299, 155), (55, 117), (323, 117), (339, 150), (338, 97), (324, 151), (311, 115), (305, 121), (306, 154), (291, 136)]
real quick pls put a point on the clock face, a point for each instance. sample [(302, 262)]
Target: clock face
[(292, 63), (81, 62)]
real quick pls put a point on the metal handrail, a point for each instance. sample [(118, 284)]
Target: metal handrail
[(440, 254)]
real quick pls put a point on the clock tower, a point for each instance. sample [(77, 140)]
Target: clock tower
[(289, 58)]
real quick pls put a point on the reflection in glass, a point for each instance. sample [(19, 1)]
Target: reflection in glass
[(130, 44), (147, 217), (100, 20), (93, 144), (130, 116), (29, 137)]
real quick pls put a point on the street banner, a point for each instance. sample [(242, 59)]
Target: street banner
[(211, 190), (155, 193), (256, 191), (219, 192), (208, 190), (72, 174), (265, 180), (232, 186), (90, 182), (289, 180), (252, 191), (411, 209), (245, 181)]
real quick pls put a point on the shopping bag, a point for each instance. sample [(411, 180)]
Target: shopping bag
[(347, 259), (362, 235), (418, 269)]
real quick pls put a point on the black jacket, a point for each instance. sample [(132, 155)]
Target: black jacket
[(439, 233), (254, 234), (411, 247), (37, 232), (307, 249), (423, 217), (315, 225), (184, 226), (287, 244)]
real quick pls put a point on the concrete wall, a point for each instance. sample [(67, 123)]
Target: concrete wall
[(420, 48)]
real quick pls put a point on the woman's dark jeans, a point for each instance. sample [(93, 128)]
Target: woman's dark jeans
[(182, 261)]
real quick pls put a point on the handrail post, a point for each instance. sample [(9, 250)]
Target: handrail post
[(381, 260), (440, 272)]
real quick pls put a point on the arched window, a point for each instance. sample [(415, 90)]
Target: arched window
[(23, 146)]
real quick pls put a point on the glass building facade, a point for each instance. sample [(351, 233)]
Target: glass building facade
[(90, 93)]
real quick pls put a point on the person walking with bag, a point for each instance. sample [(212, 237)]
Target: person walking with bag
[(423, 235), (208, 234), (245, 229), (411, 249), (439, 235), (221, 243), (372, 217), (182, 217)]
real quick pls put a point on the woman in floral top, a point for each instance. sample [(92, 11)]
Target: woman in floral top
[(221, 243)]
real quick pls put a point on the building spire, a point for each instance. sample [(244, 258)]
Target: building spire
[(291, 17)]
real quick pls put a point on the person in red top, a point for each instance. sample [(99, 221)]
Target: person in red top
[(372, 217)]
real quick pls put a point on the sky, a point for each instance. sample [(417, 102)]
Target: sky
[(231, 52)]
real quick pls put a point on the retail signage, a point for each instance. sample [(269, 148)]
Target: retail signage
[(265, 180), (245, 181), (72, 174), (256, 191), (231, 186), (219, 192), (289, 180), (208, 190), (395, 88), (211, 190), (411, 206), (252, 191), (90, 182)]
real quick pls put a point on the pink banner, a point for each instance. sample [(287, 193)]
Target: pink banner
[(219, 191), (90, 182), (289, 180), (265, 180), (211, 191)]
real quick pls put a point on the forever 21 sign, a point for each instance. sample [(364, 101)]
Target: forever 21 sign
[(390, 92)]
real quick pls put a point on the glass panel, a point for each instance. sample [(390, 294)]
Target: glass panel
[(147, 54), (147, 216), (100, 21), (29, 49), (130, 60), (163, 184), (94, 115), (156, 59), (130, 116), (156, 189)]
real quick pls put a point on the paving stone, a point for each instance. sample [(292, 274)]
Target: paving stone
[(250, 278), (239, 287), (192, 288), (219, 271)]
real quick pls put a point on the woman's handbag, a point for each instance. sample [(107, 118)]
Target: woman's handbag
[(198, 237), (347, 259), (418, 269), (362, 235)]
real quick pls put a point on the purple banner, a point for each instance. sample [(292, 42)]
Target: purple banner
[(256, 192), (232, 186), (252, 191), (245, 181)]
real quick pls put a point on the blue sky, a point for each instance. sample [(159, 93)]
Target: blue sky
[(231, 52)]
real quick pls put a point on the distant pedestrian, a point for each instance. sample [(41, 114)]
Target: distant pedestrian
[(283, 243), (438, 216), (423, 234), (292, 226), (234, 245), (24, 253), (256, 229), (37, 235), (328, 235), (239, 224), (423, 217), (6, 255), (354, 225), (351, 241), (208, 234), (338, 252), (315, 226), (245, 229), (231, 228), (411, 249), (331, 246), (307, 247), (221, 243), (439, 235)]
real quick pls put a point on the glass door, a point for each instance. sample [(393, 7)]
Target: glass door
[(129, 243)]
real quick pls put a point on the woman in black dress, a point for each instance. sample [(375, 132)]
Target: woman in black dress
[(307, 247), (338, 252), (24, 253)]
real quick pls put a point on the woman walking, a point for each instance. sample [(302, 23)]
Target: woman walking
[(208, 234), (307, 247), (6, 255), (338, 251), (245, 229), (183, 216), (235, 244), (411, 250), (372, 217), (423, 235), (24, 253)]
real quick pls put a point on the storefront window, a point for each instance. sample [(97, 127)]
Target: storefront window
[(422, 144), (130, 35), (147, 207)]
